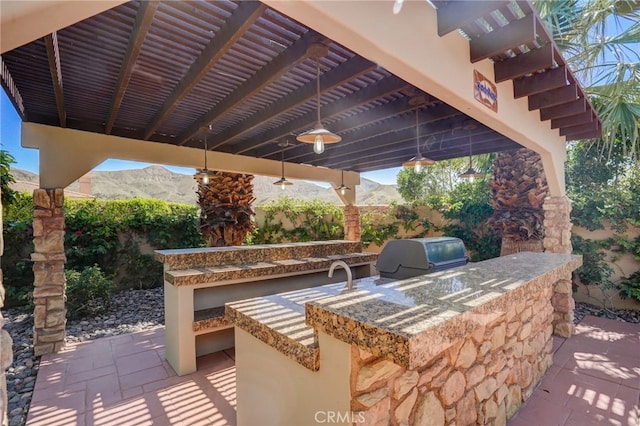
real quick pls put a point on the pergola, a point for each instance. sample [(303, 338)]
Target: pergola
[(145, 80)]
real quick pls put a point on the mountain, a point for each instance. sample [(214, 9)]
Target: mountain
[(159, 182)]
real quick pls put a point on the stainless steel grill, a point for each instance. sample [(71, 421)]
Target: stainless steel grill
[(407, 258)]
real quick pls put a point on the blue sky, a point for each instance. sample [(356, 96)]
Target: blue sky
[(27, 159)]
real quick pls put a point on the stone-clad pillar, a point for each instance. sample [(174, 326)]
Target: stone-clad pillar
[(352, 230), (557, 239), (6, 351), (48, 268)]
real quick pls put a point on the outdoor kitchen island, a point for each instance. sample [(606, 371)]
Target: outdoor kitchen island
[(463, 345)]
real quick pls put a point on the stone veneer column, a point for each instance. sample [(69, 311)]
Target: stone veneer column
[(6, 351), (352, 230), (557, 239), (48, 268)]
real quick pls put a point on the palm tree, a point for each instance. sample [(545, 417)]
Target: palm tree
[(600, 40)]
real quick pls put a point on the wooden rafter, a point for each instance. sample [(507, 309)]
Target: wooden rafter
[(387, 130), (527, 63), (53, 54), (289, 58), (239, 22), (572, 120), (564, 110), (539, 83), (144, 17), (522, 31), (553, 97), (11, 89), (454, 15), (349, 70), (580, 128)]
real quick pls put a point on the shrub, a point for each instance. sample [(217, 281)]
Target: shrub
[(88, 292), (630, 286)]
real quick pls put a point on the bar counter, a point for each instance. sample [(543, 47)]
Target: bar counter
[(476, 338)]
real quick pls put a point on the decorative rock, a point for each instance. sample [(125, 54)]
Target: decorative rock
[(370, 399), (372, 373), (564, 329), (453, 388), (41, 199), (525, 331), (513, 400), (474, 375), (498, 336), (485, 389), (405, 383), (467, 355), (428, 375), (466, 410), (490, 409), (563, 286), (563, 302), (450, 414), (379, 414), (404, 409), (429, 411)]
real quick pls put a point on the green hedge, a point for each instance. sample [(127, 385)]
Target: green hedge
[(112, 235)]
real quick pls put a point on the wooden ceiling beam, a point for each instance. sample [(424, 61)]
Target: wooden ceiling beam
[(372, 128), (53, 55), (347, 71), (527, 63), (245, 15), (455, 15), (289, 58), (144, 18), (403, 127), (572, 120), (407, 138), (541, 82), (500, 40), (590, 134), (564, 110), (376, 159), (580, 128), (553, 97)]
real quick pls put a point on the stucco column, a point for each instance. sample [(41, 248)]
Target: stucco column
[(6, 351), (352, 230), (48, 268), (557, 239)]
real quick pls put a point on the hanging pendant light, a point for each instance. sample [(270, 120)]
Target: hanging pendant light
[(282, 182), (418, 162), (318, 136), (471, 173), (204, 175), (342, 188)]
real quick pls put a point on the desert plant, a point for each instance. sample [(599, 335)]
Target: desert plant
[(88, 292)]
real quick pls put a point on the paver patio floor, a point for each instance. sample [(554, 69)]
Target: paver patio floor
[(125, 380)]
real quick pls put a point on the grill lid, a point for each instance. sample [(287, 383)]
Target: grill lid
[(416, 256)]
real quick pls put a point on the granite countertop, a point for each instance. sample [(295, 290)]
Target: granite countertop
[(407, 321), (194, 276)]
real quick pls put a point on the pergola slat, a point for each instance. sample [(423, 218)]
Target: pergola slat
[(580, 128), (553, 97), (455, 15), (564, 110), (53, 54), (144, 18), (572, 120), (500, 40), (527, 63), (241, 20), (539, 83), (267, 75)]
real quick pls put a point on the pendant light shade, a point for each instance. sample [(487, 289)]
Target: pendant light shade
[(204, 175), (471, 173), (318, 136), (282, 182), (342, 188), (418, 162)]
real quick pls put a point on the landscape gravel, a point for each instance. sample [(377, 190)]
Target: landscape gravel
[(133, 310)]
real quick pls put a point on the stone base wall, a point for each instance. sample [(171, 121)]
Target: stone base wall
[(483, 378), (352, 230), (48, 268)]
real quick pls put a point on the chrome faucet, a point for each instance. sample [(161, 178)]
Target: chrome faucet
[(342, 263)]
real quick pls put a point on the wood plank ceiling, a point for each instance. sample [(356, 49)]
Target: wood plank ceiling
[(166, 71)]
